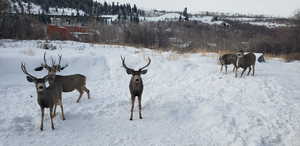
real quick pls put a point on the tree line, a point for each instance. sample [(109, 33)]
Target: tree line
[(125, 12)]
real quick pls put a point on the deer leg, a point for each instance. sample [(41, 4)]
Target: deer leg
[(249, 71), (132, 106), (253, 70), (140, 106), (234, 67), (87, 91), (54, 113), (80, 92), (51, 118), (62, 110), (243, 71), (236, 72), (42, 118), (225, 68), (221, 68)]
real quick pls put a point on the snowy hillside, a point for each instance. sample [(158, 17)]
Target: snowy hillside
[(36, 9), (210, 20), (186, 100)]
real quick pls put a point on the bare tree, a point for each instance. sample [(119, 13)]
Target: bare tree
[(297, 14)]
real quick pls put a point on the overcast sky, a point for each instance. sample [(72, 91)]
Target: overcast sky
[(284, 8)]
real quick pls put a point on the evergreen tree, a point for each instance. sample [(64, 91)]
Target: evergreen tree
[(29, 7), (185, 14)]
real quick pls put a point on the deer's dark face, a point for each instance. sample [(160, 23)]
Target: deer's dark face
[(52, 69), (240, 54), (40, 83), (136, 75)]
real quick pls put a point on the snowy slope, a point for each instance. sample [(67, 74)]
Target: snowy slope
[(176, 16), (165, 17), (210, 20), (186, 100)]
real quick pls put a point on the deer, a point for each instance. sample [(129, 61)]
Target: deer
[(69, 82), (245, 61), (136, 85), (261, 58), (227, 59), (47, 97)]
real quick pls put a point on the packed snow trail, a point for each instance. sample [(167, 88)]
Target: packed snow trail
[(186, 100)]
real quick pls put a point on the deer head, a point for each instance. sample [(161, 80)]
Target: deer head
[(53, 68), (136, 74), (40, 83), (240, 53)]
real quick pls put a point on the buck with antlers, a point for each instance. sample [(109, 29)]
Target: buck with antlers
[(69, 82), (48, 97), (136, 85)]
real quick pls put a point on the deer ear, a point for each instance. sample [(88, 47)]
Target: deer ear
[(39, 68), (144, 71), (29, 79), (129, 71), (61, 68)]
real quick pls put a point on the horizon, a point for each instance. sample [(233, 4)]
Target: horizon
[(255, 7)]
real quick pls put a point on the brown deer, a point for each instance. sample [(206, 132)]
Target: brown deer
[(245, 61), (228, 59), (48, 97), (69, 82), (136, 85)]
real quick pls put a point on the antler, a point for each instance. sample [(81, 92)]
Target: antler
[(59, 61), (23, 67), (149, 61), (123, 63), (52, 61), (45, 61)]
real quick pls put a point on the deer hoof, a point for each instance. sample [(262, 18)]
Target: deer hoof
[(141, 117), (41, 129), (130, 119)]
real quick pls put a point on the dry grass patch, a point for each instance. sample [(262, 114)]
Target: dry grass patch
[(291, 57)]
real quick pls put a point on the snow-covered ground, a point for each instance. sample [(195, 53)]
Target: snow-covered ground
[(186, 100)]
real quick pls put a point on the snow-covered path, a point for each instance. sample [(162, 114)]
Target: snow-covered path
[(186, 100)]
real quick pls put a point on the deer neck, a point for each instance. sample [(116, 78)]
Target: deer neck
[(136, 84), (238, 61)]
